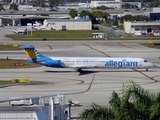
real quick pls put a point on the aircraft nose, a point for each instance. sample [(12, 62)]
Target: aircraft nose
[(152, 65)]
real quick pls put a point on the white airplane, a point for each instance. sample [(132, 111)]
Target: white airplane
[(80, 63)]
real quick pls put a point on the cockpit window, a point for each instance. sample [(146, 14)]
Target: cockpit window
[(145, 60)]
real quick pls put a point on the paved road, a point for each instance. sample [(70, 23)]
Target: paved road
[(68, 80)]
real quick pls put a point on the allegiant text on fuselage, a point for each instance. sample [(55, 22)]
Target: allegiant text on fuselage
[(120, 64)]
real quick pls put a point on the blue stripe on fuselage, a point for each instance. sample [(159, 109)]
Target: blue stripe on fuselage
[(46, 61)]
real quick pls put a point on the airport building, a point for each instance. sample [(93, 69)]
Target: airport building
[(109, 4), (19, 2), (67, 24), (54, 22), (154, 13), (12, 20), (23, 20), (131, 4), (144, 28)]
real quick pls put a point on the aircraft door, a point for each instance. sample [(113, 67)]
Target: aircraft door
[(75, 61), (140, 63), (85, 62)]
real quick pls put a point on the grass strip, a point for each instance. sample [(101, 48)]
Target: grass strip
[(14, 63), (8, 82), (57, 35), (74, 35), (134, 38), (151, 45), (10, 47)]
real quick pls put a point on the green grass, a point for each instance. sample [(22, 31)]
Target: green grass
[(8, 64), (36, 83), (151, 45), (107, 24), (120, 27), (56, 35), (134, 38), (73, 35), (5, 82), (9, 47)]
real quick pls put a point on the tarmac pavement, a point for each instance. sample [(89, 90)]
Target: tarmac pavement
[(68, 80)]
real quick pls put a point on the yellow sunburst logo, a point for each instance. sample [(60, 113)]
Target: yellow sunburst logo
[(32, 53)]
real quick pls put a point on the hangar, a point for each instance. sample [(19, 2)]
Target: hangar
[(68, 24), (110, 4), (24, 19), (142, 27), (12, 20)]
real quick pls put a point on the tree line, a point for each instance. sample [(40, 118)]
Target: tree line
[(99, 14)]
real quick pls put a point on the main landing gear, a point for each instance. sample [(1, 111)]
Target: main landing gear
[(79, 70), (146, 69)]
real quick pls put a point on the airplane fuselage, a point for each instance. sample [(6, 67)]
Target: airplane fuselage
[(95, 62), (85, 62)]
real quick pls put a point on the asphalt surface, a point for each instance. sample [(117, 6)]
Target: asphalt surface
[(68, 80)]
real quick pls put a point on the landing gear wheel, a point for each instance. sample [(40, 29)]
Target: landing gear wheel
[(146, 69), (79, 70)]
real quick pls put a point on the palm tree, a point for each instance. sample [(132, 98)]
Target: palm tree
[(155, 108), (97, 112), (133, 103)]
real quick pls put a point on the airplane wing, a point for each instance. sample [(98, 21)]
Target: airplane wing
[(44, 96)]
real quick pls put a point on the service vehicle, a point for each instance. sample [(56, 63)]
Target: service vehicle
[(20, 30), (20, 102)]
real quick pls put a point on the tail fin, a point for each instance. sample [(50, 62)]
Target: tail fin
[(31, 51)]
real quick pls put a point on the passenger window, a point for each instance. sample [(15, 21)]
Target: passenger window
[(145, 61)]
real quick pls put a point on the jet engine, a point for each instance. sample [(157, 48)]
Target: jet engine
[(52, 63)]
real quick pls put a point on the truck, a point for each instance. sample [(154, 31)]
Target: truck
[(27, 102)]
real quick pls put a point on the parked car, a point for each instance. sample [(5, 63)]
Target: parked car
[(156, 34), (53, 9), (39, 28), (20, 30), (1, 26)]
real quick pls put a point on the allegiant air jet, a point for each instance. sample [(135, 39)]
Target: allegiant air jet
[(80, 63)]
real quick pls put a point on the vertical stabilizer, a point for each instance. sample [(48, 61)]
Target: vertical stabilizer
[(31, 51)]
